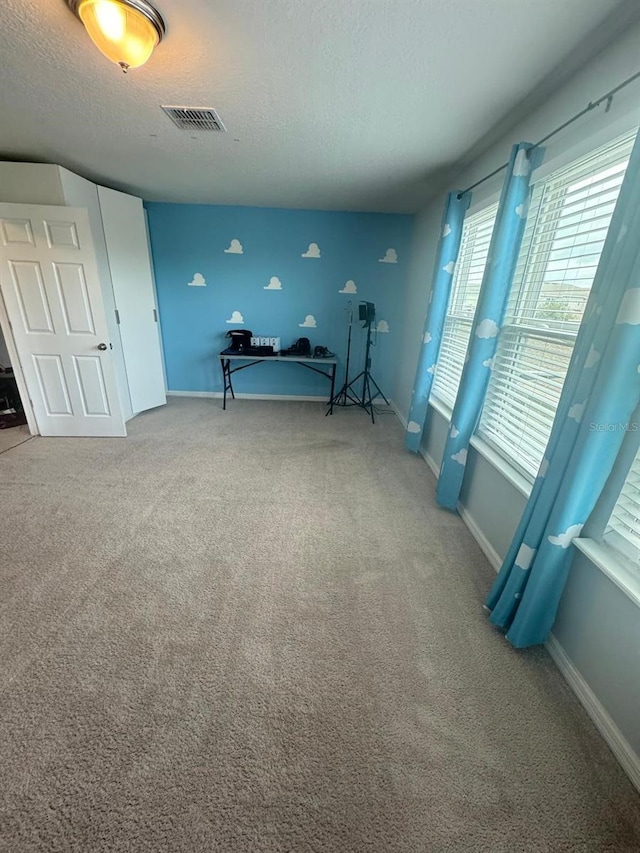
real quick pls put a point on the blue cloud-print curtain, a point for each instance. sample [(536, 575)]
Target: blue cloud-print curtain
[(446, 257), (494, 292), (600, 395)]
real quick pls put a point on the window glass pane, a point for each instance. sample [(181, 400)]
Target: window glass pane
[(623, 530), (465, 289), (564, 236)]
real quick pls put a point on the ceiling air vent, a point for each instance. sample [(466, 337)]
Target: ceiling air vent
[(195, 118)]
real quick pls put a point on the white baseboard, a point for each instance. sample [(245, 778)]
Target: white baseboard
[(489, 551), (431, 462), (398, 414), (616, 741), (612, 735), (218, 396)]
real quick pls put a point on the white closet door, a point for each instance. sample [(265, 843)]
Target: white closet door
[(125, 233), (51, 290)]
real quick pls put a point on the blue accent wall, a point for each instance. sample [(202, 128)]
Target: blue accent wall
[(192, 243)]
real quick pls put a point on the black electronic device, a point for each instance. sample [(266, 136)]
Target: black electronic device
[(301, 347), (261, 351), (367, 312), (240, 340)]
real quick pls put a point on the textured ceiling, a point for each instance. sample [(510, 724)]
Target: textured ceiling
[(334, 104)]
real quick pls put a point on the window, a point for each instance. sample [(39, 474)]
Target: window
[(565, 232), (623, 530), (465, 289)]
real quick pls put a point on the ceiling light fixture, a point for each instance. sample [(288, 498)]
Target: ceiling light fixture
[(125, 31)]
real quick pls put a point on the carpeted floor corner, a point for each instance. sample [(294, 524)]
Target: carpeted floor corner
[(254, 632)]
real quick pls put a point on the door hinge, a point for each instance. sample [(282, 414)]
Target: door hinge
[(155, 315), (117, 313)]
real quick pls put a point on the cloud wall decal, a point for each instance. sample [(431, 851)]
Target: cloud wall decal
[(235, 248), (309, 322), (198, 280), (390, 257), (236, 317), (274, 284), (312, 252), (349, 287)]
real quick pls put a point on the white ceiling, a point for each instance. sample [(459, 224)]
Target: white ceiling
[(331, 104)]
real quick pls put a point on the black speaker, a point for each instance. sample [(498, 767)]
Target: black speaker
[(367, 312)]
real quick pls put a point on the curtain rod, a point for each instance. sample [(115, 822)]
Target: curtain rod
[(592, 105)]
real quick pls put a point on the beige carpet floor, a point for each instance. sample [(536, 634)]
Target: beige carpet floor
[(253, 631), (13, 436)]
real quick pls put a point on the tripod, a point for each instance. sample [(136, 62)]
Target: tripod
[(347, 395)]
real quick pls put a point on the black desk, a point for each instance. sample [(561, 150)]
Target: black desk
[(249, 360)]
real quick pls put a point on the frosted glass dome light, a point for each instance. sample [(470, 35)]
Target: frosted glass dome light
[(125, 31)]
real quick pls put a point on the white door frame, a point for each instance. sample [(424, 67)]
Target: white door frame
[(7, 332)]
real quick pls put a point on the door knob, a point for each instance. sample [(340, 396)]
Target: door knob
[(102, 347)]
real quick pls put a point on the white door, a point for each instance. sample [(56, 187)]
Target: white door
[(51, 290), (125, 231)]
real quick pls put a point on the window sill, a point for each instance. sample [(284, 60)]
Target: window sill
[(441, 408), (614, 566), (508, 471), (487, 452)]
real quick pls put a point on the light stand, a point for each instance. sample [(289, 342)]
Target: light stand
[(347, 395), (340, 399)]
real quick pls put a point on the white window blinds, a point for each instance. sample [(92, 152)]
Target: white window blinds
[(567, 225), (465, 289), (623, 530)]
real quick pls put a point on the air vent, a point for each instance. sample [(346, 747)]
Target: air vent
[(195, 118)]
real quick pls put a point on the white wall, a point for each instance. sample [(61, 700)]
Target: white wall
[(598, 626), (30, 183), (423, 253)]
